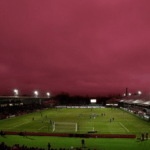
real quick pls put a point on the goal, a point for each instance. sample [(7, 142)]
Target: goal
[(64, 127)]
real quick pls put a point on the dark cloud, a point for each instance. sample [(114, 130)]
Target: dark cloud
[(80, 47)]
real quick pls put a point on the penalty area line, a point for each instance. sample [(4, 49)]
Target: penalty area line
[(124, 127), (41, 127)]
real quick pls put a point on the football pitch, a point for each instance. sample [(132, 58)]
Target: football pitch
[(67, 120)]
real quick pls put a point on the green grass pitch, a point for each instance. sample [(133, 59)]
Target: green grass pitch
[(124, 123), (67, 142)]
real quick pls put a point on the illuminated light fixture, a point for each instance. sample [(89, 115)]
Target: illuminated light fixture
[(124, 94), (16, 92), (48, 94), (129, 94), (139, 92), (36, 93)]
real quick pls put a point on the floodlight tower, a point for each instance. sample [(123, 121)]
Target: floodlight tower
[(36, 93), (15, 92), (48, 94)]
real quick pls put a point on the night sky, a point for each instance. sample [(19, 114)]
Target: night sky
[(82, 47)]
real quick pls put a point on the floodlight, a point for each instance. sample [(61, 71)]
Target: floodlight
[(48, 94), (139, 92), (124, 94), (129, 94), (36, 93), (15, 92)]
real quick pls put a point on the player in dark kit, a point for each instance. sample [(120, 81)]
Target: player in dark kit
[(146, 136), (49, 146), (142, 136), (83, 143)]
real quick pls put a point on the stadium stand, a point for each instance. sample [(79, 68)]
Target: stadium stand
[(10, 111), (3, 146)]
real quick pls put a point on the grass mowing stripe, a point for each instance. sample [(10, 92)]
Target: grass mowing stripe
[(19, 124), (132, 123), (66, 142), (124, 126)]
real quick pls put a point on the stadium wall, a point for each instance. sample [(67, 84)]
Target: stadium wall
[(79, 106), (71, 135)]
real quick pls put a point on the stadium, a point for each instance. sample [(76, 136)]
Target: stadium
[(33, 122), (64, 66)]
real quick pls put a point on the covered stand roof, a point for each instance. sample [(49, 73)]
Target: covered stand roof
[(142, 99)]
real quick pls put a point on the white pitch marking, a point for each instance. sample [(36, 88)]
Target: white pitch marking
[(124, 126), (19, 125), (115, 131), (65, 122), (86, 127), (41, 127)]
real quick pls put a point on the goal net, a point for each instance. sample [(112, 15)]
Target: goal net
[(64, 127)]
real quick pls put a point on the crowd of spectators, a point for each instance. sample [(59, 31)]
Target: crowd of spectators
[(136, 108), (3, 146), (6, 112)]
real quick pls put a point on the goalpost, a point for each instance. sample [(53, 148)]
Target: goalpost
[(65, 127)]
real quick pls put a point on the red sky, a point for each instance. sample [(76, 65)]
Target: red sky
[(87, 47)]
